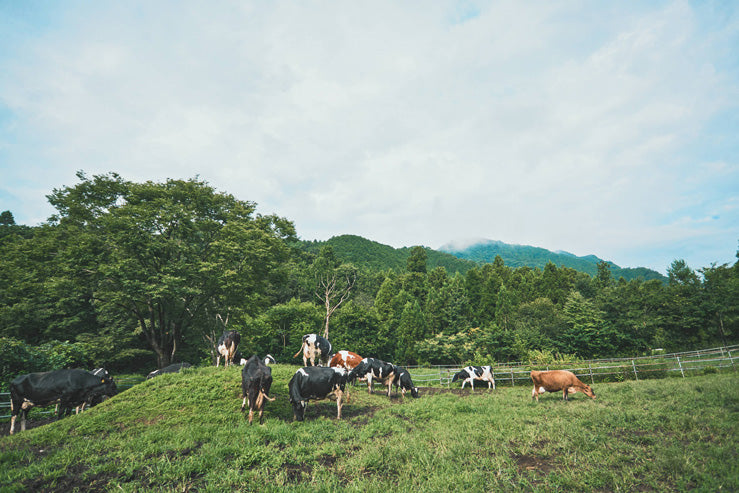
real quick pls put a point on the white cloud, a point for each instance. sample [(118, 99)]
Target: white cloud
[(561, 126)]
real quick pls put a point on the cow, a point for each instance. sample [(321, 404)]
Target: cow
[(227, 344), (469, 374), (315, 346), (374, 369), (173, 368), (70, 388), (315, 383), (554, 380), (345, 359), (403, 380), (256, 380)]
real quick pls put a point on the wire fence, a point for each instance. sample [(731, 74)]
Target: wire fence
[(679, 365), (596, 371)]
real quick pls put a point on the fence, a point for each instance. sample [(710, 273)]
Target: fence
[(513, 374), (602, 370)]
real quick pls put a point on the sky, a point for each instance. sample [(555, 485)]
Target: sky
[(604, 128)]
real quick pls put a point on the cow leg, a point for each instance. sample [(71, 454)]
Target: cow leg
[(564, 394), (339, 402), (534, 393), (243, 405), (369, 382)]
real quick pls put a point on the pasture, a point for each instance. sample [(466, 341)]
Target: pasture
[(184, 432)]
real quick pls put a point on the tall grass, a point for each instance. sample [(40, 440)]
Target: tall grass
[(184, 432)]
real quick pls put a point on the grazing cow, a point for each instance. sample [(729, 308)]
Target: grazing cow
[(70, 388), (227, 344), (374, 369), (554, 380), (315, 383), (173, 368), (256, 379), (346, 360), (315, 346), (269, 359), (472, 373), (403, 380)]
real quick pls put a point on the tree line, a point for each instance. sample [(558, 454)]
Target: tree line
[(133, 276)]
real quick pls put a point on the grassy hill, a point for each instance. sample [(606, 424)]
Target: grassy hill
[(485, 251), (184, 432)]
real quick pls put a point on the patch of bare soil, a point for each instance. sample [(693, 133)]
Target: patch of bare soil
[(541, 465)]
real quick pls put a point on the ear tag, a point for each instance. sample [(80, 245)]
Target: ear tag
[(102, 381)]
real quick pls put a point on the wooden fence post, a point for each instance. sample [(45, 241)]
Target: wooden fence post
[(513, 382), (592, 382), (634, 367)]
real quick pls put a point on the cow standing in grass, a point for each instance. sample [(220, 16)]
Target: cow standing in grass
[(374, 369), (227, 344), (555, 380), (403, 381), (315, 347), (256, 380), (469, 374), (70, 388), (315, 383)]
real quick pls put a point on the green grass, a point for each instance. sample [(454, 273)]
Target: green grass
[(184, 432)]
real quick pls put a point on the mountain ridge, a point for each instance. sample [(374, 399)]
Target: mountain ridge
[(362, 251)]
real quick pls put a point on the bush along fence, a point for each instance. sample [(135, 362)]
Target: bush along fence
[(517, 374), (597, 371)]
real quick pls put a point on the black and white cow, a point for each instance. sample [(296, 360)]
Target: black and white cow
[(173, 368), (70, 388), (374, 369), (315, 346), (238, 359), (256, 380), (469, 374), (226, 348), (403, 381), (316, 383)]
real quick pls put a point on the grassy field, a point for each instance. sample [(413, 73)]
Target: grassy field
[(184, 432)]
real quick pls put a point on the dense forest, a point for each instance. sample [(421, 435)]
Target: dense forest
[(132, 276)]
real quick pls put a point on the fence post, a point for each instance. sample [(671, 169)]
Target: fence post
[(592, 382), (634, 367), (681, 367), (513, 383), (730, 357)]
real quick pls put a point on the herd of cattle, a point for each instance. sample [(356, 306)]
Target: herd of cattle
[(328, 379)]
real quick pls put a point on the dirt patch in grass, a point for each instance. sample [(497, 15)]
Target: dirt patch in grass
[(527, 462), (295, 472)]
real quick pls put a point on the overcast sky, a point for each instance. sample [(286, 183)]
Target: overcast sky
[(605, 128)]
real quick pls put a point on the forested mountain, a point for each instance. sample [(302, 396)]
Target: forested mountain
[(484, 251), (376, 256)]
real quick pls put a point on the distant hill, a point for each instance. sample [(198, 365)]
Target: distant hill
[(484, 251), (376, 256)]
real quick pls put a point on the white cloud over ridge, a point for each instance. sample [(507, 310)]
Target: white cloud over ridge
[(580, 128)]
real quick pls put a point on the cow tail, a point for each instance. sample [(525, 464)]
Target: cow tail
[(299, 350)]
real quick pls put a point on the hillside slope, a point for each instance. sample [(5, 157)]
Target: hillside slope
[(184, 432)]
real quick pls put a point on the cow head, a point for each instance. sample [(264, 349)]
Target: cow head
[(299, 410), (588, 391)]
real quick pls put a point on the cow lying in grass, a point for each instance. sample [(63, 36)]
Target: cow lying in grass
[(554, 380), (315, 383), (256, 380)]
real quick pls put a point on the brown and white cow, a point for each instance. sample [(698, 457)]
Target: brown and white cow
[(346, 360), (554, 380)]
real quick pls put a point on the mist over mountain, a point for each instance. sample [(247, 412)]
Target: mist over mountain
[(484, 251)]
